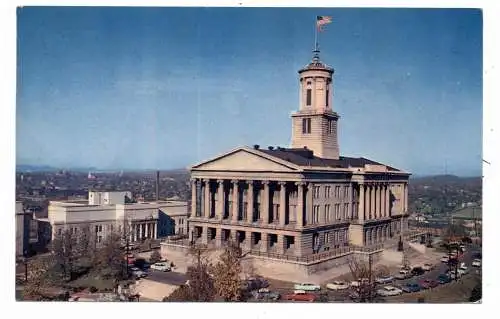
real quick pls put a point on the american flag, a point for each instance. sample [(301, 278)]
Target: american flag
[(321, 21)]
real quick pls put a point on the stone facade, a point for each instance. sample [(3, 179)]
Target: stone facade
[(298, 201)]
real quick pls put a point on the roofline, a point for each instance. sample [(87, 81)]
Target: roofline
[(253, 151)]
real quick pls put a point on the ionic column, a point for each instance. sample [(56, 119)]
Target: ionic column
[(236, 202), (309, 204), (219, 213), (250, 201), (281, 244), (388, 200), (406, 198), (372, 201), (155, 230), (377, 201), (207, 198), (133, 233), (300, 204), (141, 231), (265, 209), (193, 197), (147, 230), (282, 211), (349, 203), (361, 204), (204, 235)]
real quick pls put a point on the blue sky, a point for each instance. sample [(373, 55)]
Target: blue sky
[(137, 88)]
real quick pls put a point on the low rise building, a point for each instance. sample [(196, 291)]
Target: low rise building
[(107, 212)]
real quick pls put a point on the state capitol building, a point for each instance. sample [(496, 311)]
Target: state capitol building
[(303, 200)]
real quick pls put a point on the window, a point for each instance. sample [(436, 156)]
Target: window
[(327, 191), (306, 126), (327, 237), (316, 191), (331, 126), (308, 97), (346, 191), (346, 210), (337, 191), (337, 211), (99, 239), (327, 94), (327, 212), (315, 215)]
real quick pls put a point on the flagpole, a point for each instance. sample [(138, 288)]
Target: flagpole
[(316, 50)]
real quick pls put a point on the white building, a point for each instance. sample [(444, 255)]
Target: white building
[(107, 212)]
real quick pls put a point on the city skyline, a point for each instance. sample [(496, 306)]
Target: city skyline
[(103, 87)]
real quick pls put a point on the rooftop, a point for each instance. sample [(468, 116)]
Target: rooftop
[(469, 213), (306, 157)]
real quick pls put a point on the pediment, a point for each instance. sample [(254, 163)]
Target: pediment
[(246, 160)]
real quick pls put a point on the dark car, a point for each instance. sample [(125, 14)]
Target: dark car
[(428, 283), (417, 271), (256, 283), (443, 279), (411, 287)]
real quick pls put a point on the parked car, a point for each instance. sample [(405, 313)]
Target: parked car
[(307, 287), (454, 274), (411, 287), (255, 283), (417, 271), (445, 259), (476, 263), (301, 295), (337, 285), (428, 283), (384, 280), (403, 274), (389, 291), (161, 266), (357, 283), (266, 294), (443, 279), (428, 267), (137, 273)]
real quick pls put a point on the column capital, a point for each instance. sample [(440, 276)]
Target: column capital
[(300, 183), (193, 180), (310, 185), (250, 182), (281, 183), (220, 181), (266, 182), (206, 180), (235, 181)]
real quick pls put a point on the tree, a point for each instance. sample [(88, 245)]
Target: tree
[(110, 259), (39, 277), (200, 285), (63, 248), (363, 274), (155, 256), (227, 273)]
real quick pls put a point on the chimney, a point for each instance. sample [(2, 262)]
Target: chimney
[(157, 185)]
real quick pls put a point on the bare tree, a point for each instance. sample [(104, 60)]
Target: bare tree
[(362, 273), (200, 285), (63, 248), (39, 277), (227, 273)]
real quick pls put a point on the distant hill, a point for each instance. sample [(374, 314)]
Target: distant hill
[(35, 168)]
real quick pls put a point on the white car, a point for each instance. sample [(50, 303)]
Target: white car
[(384, 279), (389, 291), (428, 266), (337, 285), (307, 287), (476, 263), (161, 267), (357, 283)]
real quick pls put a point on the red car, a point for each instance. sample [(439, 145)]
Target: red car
[(427, 283), (301, 296)]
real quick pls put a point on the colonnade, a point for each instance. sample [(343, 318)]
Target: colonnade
[(375, 201), (143, 230)]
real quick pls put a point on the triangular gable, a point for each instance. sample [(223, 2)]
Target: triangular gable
[(246, 159)]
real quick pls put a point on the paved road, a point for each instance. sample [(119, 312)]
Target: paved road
[(172, 278)]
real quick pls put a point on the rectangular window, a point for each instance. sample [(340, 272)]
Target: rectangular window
[(327, 191), (327, 212), (99, 239), (346, 191), (306, 126), (327, 94), (308, 97)]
